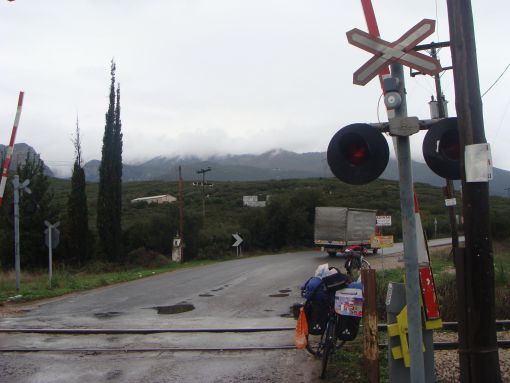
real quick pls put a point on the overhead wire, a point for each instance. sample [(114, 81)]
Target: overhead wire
[(495, 82), (378, 106), (506, 106)]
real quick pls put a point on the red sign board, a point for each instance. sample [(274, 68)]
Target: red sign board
[(400, 51), (428, 293)]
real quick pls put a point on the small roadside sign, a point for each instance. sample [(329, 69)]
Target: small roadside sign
[(237, 243), (381, 241), (238, 239), (383, 220), (52, 240), (450, 202)]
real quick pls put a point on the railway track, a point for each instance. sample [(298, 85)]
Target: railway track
[(64, 335)]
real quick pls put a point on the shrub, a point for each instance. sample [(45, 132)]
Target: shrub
[(146, 258)]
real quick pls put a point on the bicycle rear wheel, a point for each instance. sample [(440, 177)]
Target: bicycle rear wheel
[(329, 344)]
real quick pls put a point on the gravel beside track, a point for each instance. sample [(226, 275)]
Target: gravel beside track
[(447, 361)]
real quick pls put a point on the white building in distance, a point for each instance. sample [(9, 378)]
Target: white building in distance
[(165, 198), (253, 201)]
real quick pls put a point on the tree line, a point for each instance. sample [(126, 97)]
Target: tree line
[(78, 243)]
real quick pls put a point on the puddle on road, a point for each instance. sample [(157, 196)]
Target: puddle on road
[(113, 375), (218, 289), (285, 291), (206, 295), (175, 309), (107, 315), (279, 295)]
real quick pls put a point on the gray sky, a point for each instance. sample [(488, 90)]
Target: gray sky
[(220, 76)]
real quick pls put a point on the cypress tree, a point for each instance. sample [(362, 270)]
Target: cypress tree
[(78, 249), (110, 174), (117, 171)]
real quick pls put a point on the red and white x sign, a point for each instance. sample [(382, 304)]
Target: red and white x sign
[(400, 51)]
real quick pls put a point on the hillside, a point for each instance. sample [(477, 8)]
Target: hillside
[(224, 209), (20, 153), (272, 165)]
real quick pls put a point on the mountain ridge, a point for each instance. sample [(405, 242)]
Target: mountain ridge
[(273, 164), (270, 165)]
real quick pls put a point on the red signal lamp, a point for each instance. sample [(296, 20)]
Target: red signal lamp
[(441, 148), (358, 154)]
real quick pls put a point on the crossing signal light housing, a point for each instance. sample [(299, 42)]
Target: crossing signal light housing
[(441, 148), (358, 154)]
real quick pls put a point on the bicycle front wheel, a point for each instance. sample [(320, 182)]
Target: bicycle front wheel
[(329, 344)]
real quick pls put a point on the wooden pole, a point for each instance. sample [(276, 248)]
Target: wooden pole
[(181, 214), (370, 335), (478, 350)]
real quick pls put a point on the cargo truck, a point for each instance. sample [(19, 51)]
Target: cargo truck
[(337, 228)]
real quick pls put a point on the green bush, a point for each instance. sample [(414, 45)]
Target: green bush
[(146, 258)]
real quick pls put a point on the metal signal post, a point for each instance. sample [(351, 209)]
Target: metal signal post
[(412, 286), (358, 154), (17, 186)]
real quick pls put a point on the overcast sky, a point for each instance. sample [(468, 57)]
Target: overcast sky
[(220, 76)]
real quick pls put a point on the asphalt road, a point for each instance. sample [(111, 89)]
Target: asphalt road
[(252, 292)]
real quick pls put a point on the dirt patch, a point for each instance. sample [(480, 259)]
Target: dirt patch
[(14, 309)]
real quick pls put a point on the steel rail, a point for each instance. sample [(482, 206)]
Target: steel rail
[(505, 344), (501, 325), (147, 349), (91, 331)]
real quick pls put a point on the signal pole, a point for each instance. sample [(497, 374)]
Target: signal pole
[(412, 288), (18, 187), (478, 350)]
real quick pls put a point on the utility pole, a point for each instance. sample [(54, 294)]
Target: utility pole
[(478, 349), (203, 171), (181, 212), (449, 191)]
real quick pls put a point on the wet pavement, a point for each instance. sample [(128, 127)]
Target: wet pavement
[(249, 293)]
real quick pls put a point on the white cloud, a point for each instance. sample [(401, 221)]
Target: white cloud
[(224, 76)]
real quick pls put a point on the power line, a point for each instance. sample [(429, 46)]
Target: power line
[(494, 83)]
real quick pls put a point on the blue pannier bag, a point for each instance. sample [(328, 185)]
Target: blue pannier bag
[(317, 305), (314, 288)]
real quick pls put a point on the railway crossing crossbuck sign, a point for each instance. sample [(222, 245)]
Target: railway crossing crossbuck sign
[(400, 51)]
